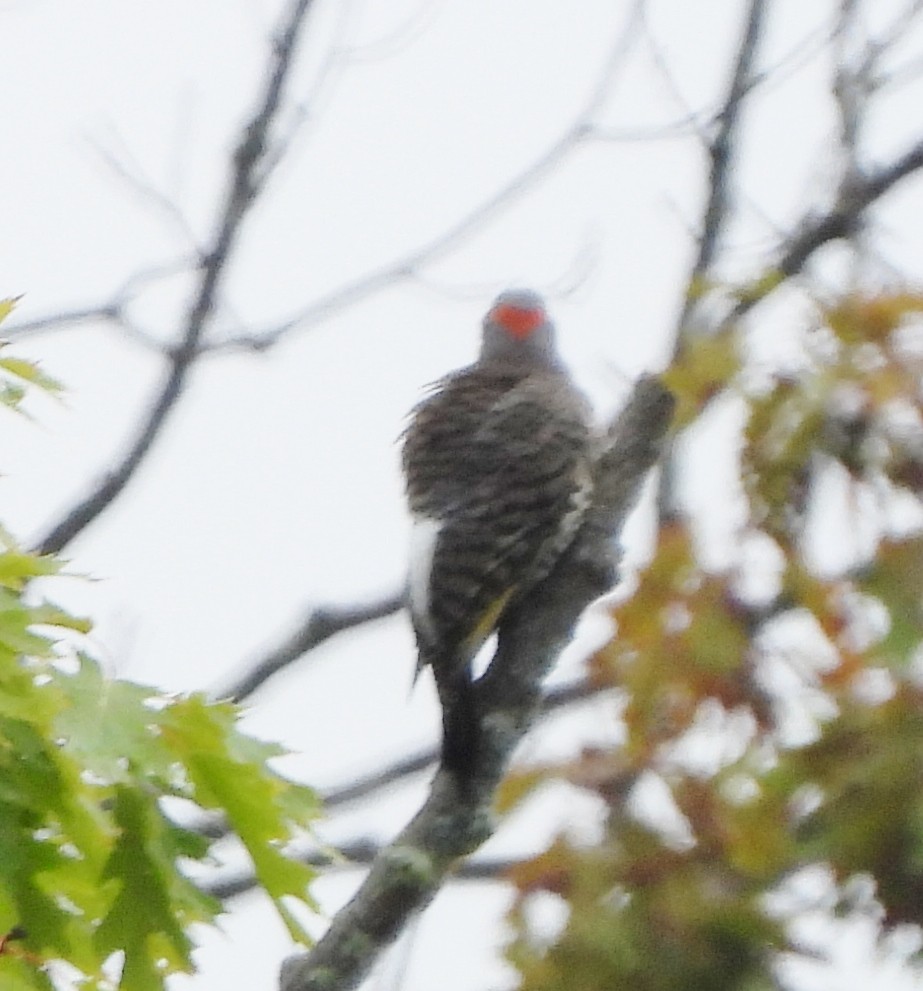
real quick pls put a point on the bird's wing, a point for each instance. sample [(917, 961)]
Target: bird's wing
[(504, 494)]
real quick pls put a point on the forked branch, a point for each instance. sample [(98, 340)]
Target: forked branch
[(246, 182)]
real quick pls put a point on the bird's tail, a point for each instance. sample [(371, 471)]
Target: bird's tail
[(460, 718)]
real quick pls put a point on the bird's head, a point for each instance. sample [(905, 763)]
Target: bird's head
[(518, 332)]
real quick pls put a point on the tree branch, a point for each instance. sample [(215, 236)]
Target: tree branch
[(839, 222), (721, 153), (51, 322), (244, 188), (359, 788), (582, 128), (115, 311), (353, 856), (406, 876), (715, 215), (318, 626), (127, 170)]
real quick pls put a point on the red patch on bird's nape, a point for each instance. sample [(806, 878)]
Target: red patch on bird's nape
[(518, 321)]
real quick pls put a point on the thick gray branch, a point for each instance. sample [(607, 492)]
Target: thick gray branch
[(405, 877)]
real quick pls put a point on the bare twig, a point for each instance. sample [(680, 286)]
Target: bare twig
[(721, 154), (116, 311), (381, 778), (309, 106), (407, 874), (244, 188), (359, 788), (697, 121), (131, 173), (881, 46), (776, 73), (66, 318), (358, 855), (232, 884), (318, 626), (817, 231), (715, 215), (398, 38), (851, 90), (858, 189), (887, 40), (581, 129)]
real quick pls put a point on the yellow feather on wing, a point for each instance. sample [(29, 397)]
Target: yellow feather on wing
[(482, 630)]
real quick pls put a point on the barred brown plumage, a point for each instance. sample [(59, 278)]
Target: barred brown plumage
[(497, 466)]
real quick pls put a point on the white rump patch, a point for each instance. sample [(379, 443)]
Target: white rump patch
[(423, 536)]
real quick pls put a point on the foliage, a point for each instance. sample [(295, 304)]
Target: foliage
[(91, 867), (837, 786)]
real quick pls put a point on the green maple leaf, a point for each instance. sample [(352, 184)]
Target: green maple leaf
[(110, 726), (228, 772), (31, 373), (154, 905), (17, 567)]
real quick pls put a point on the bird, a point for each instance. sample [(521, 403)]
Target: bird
[(497, 462)]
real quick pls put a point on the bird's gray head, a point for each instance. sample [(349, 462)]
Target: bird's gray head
[(518, 333)]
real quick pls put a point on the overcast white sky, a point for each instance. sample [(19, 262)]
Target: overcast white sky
[(275, 484)]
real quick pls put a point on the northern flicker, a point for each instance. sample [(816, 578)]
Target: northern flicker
[(497, 465)]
